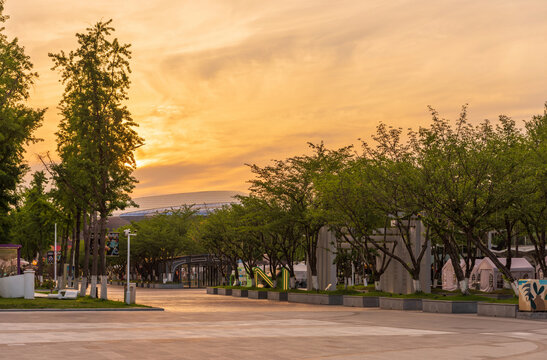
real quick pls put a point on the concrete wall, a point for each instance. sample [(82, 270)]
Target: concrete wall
[(12, 286), (396, 278), (326, 252)]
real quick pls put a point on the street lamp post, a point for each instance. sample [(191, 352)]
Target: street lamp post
[(55, 259), (127, 292)]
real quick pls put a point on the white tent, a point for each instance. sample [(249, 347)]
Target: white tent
[(449, 280), (490, 278)]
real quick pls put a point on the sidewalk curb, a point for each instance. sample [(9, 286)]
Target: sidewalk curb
[(82, 309)]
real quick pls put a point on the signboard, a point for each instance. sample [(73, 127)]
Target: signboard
[(532, 295), (113, 244), (50, 255)]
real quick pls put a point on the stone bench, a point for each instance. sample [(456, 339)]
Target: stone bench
[(257, 294), (389, 303), (278, 296), (316, 299), (449, 306), (497, 310), (361, 301), (240, 292)]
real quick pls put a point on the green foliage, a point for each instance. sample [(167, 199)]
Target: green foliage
[(96, 138), (96, 133), (159, 239), (46, 284), (17, 121), (291, 185), (33, 221)]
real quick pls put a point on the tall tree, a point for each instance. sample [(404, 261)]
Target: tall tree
[(393, 175), (348, 200), (34, 221), (532, 205), (97, 127), (291, 183), (466, 175), (17, 121)]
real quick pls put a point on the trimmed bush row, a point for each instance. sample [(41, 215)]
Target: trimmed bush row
[(386, 303)]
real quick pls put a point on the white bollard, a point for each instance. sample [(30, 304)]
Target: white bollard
[(29, 284)]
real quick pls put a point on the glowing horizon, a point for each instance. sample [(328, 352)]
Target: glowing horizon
[(217, 84)]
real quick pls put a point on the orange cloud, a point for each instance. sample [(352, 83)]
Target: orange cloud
[(217, 84)]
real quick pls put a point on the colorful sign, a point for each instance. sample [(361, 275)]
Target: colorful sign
[(50, 255), (113, 244), (532, 295)]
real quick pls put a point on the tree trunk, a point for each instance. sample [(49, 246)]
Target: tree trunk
[(83, 286), (417, 285), (464, 286), (102, 238), (76, 246), (40, 265), (64, 251), (95, 262), (71, 273), (456, 265), (85, 271), (378, 285)]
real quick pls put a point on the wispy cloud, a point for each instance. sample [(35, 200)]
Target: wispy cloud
[(220, 83)]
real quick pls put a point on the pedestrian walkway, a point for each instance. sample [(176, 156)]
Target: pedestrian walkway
[(200, 326)]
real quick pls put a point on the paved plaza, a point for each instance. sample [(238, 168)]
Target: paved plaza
[(199, 326)]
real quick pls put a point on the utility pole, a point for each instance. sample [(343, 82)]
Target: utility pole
[(127, 291)]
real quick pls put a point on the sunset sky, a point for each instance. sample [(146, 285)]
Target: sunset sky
[(217, 84)]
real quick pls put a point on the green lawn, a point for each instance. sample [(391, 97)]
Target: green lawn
[(451, 297), (80, 303)]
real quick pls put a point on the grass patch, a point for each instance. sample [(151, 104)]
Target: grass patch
[(80, 303), (369, 287), (357, 291), (42, 291), (249, 288), (442, 297)]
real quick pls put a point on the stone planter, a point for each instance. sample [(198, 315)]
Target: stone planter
[(278, 296), (240, 293), (497, 310), (227, 292), (317, 299), (257, 294), (212, 291), (532, 315), (361, 301), (388, 303), (449, 307)]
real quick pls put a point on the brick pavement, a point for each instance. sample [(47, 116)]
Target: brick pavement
[(200, 326)]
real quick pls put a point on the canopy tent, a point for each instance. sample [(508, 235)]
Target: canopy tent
[(449, 280), (490, 278)]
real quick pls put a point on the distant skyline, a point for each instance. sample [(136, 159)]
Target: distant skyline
[(217, 84)]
